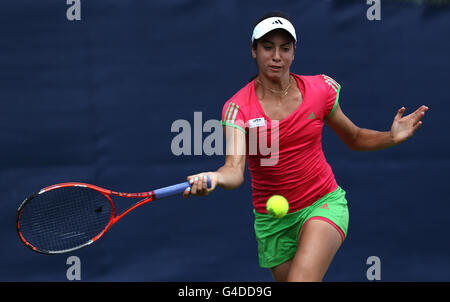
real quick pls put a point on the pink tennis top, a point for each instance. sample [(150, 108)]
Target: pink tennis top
[(286, 157)]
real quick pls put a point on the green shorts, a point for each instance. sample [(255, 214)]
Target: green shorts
[(277, 237)]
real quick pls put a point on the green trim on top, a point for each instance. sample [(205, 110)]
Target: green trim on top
[(235, 113), (226, 112), (228, 117), (332, 86), (330, 81), (233, 125), (335, 103)]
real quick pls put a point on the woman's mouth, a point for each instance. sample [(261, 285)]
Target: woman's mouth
[(274, 67)]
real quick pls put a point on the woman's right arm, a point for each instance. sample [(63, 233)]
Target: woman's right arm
[(231, 174)]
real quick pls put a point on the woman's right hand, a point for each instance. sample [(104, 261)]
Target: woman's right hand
[(230, 175), (199, 185)]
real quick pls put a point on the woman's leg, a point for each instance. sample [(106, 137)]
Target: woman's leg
[(318, 243), (280, 272)]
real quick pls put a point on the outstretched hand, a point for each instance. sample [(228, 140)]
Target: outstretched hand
[(404, 127)]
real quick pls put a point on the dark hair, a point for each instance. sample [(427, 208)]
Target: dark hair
[(270, 15)]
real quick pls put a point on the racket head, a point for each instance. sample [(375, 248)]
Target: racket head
[(64, 217)]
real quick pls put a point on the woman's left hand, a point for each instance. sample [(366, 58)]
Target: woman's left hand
[(404, 127)]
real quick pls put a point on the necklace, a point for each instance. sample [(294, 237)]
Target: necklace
[(283, 92)]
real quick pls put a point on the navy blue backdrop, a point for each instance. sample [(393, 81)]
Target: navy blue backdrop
[(94, 100)]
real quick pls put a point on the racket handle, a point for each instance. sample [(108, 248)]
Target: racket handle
[(176, 189)]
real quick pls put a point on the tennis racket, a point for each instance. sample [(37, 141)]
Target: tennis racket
[(69, 216)]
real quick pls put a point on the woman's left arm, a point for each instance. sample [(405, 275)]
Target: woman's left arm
[(360, 139)]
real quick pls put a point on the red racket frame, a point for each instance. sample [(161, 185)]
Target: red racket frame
[(147, 197)]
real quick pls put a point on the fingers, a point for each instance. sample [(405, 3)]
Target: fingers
[(419, 114), (186, 192), (416, 126), (416, 116), (422, 108), (400, 113), (199, 185), (411, 123)]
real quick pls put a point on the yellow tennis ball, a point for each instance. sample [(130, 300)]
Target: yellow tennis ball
[(277, 206)]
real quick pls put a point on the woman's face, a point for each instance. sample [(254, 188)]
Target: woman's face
[(274, 54)]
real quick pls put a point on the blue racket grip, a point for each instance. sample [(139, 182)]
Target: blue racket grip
[(176, 189)]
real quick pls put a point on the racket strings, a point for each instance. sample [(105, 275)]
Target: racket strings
[(64, 218)]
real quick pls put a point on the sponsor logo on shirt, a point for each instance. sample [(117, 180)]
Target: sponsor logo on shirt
[(257, 122)]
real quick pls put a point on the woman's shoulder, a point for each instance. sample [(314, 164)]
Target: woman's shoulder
[(320, 83), (317, 79)]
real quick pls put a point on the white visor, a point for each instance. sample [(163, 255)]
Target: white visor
[(270, 24)]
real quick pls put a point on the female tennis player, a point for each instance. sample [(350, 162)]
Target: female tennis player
[(301, 245)]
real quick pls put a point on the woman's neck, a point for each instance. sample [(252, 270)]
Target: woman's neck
[(278, 86)]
